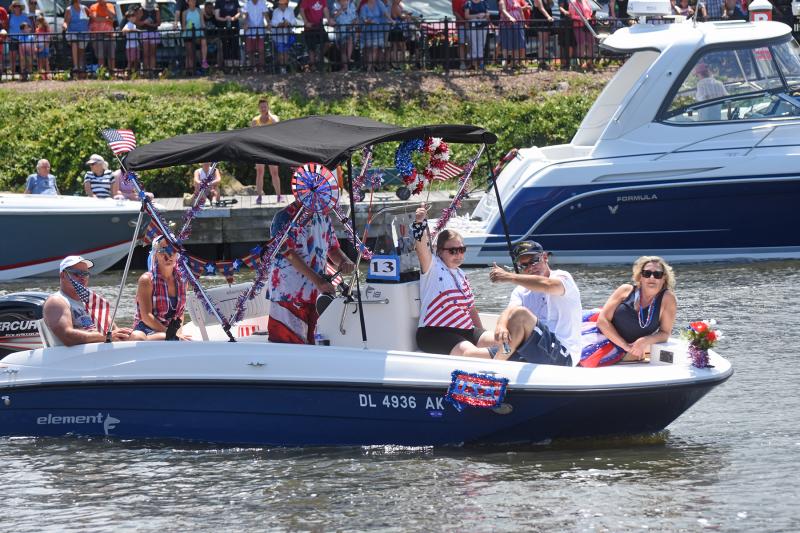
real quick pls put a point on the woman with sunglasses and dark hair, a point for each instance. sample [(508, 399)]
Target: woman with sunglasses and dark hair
[(448, 321), (160, 295), (635, 315)]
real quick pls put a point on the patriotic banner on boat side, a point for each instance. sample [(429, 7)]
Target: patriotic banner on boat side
[(120, 141), (475, 390)]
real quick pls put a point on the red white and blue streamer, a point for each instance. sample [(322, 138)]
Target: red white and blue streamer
[(448, 211), (475, 390)]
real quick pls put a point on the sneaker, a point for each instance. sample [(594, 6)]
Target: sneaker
[(204, 64), (279, 199), (258, 200)]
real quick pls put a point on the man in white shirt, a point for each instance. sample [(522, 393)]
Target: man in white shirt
[(542, 323)]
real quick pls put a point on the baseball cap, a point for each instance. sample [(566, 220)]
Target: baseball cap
[(527, 248), (96, 159), (72, 260)]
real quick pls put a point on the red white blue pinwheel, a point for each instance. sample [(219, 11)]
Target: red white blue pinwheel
[(315, 187)]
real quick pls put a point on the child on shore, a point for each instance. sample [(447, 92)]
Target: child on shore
[(131, 33), (26, 48), (43, 47)]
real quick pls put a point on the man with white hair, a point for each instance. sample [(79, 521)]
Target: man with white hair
[(68, 313), (42, 182)]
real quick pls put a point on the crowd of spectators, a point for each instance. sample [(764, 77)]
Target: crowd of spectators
[(317, 34)]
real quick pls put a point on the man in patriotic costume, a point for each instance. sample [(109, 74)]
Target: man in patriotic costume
[(542, 323), (297, 274), (75, 314)]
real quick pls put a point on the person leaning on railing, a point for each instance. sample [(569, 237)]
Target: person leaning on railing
[(148, 22), (101, 23), (227, 15), (193, 32), (255, 22), (344, 15), (76, 26), (283, 20)]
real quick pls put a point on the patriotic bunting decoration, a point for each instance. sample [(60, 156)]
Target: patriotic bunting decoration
[(97, 306), (358, 183), (475, 390), (120, 141), (448, 211), (504, 161)]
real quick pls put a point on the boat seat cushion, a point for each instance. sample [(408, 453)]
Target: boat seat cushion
[(48, 337)]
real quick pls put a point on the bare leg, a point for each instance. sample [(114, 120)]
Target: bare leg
[(276, 178), (259, 179), (521, 323)]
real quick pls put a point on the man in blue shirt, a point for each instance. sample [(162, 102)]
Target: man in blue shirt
[(42, 182)]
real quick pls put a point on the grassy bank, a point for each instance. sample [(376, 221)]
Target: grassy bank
[(60, 121)]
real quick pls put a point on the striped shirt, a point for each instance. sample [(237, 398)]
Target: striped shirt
[(101, 185), (446, 296)]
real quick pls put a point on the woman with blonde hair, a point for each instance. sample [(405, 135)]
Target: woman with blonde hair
[(635, 316), (160, 295)]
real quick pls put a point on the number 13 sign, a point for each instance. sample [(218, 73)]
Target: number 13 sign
[(384, 267)]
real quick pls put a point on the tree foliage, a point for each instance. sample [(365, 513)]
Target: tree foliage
[(63, 126)]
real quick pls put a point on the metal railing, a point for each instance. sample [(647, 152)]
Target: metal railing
[(443, 45)]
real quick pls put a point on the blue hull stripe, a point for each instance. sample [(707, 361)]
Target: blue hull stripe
[(313, 415)]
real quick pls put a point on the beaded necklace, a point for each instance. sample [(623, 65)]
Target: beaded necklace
[(644, 322)]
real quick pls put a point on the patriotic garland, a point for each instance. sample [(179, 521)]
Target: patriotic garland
[(345, 220), (447, 212), (360, 180), (162, 228), (504, 161), (197, 205), (475, 390), (439, 155)]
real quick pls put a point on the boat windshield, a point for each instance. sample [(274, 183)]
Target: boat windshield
[(740, 84)]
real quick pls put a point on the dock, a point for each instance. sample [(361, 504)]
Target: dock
[(232, 230)]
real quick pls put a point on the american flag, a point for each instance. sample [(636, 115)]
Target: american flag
[(330, 270), (120, 141), (449, 171), (97, 306)]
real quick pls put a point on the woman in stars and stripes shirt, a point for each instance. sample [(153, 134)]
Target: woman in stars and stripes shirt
[(448, 321)]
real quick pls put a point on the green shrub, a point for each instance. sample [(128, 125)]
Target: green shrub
[(63, 126)]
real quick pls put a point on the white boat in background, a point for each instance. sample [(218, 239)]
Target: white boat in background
[(661, 165), (40, 230)]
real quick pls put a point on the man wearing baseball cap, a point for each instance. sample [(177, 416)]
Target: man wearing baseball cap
[(542, 323), (64, 312)]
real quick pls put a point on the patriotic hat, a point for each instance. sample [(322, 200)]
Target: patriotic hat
[(72, 260)]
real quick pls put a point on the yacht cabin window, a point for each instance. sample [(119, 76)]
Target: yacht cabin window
[(754, 83)]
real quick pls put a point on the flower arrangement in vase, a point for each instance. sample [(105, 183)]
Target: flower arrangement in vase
[(701, 337)]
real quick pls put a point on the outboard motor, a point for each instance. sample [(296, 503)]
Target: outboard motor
[(19, 312)]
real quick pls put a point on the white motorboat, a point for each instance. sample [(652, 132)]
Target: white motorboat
[(39, 230), (691, 152), (366, 383)]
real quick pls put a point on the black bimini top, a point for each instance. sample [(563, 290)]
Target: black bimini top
[(329, 140)]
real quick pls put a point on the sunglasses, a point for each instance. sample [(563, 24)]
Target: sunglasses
[(658, 274), (80, 273), (455, 250), (532, 262)]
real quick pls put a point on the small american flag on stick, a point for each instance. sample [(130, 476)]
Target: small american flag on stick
[(120, 141), (97, 306), (449, 171)]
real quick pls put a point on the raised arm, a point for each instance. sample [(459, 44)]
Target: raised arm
[(422, 246)]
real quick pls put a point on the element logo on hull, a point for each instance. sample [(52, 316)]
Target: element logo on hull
[(109, 422)]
